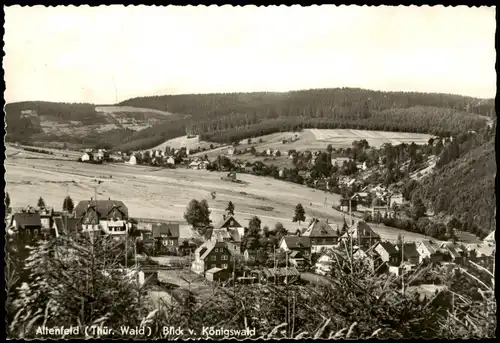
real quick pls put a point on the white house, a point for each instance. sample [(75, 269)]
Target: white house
[(170, 160), (269, 152), (231, 151), (87, 156), (132, 160), (281, 173)]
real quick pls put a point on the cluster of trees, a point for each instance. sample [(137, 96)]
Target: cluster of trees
[(465, 188)]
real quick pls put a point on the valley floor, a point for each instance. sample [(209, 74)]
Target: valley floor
[(165, 193)]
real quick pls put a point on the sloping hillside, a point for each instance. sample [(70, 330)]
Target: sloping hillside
[(143, 123), (465, 188), (48, 123), (231, 117)]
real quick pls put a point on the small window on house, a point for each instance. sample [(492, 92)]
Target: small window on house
[(216, 249), (224, 266), (224, 257), (213, 258)]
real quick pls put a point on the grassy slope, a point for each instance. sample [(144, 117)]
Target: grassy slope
[(164, 194)]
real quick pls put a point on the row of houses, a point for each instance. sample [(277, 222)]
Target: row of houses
[(92, 155), (107, 216), (385, 256)]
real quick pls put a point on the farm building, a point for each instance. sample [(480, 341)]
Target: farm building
[(217, 275), (170, 160)]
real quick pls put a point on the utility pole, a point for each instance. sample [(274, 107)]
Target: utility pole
[(402, 261)]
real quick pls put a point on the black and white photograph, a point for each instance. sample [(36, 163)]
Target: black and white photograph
[(214, 172)]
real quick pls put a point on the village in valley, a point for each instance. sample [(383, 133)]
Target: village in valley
[(373, 190), (279, 172)]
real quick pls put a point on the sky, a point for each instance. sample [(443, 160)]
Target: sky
[(112, 53)]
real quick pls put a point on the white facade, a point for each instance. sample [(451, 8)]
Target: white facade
[(324, 265), (85, 157), (133, 160)]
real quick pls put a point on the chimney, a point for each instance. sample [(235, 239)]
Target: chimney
[(109, 198)]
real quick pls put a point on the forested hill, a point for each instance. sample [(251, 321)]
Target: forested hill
[(465, 188), (234, 116)]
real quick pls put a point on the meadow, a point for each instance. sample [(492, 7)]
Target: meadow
[(164, 194)]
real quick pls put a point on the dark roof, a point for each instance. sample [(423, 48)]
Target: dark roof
[(170, 229), (320, 228), (207, 247), (221, 224), (410, 250), (58, 222), (103, 207), (290, 271), (294, 242), (391, 249), (361, 230), (24, 219)]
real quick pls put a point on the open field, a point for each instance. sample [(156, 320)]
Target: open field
[(316, 139), (13, 152), (124, 109), (164, 193), (185, 142)]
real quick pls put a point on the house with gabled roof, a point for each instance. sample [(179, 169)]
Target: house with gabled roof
[(296, 243), (322, 236), (409, 253), (388, 253), (429, 250), (108, 216), (212, 255), (361, 234), (65, 225), (227, 230), (27, 224), (455, 252), (166, 234)]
